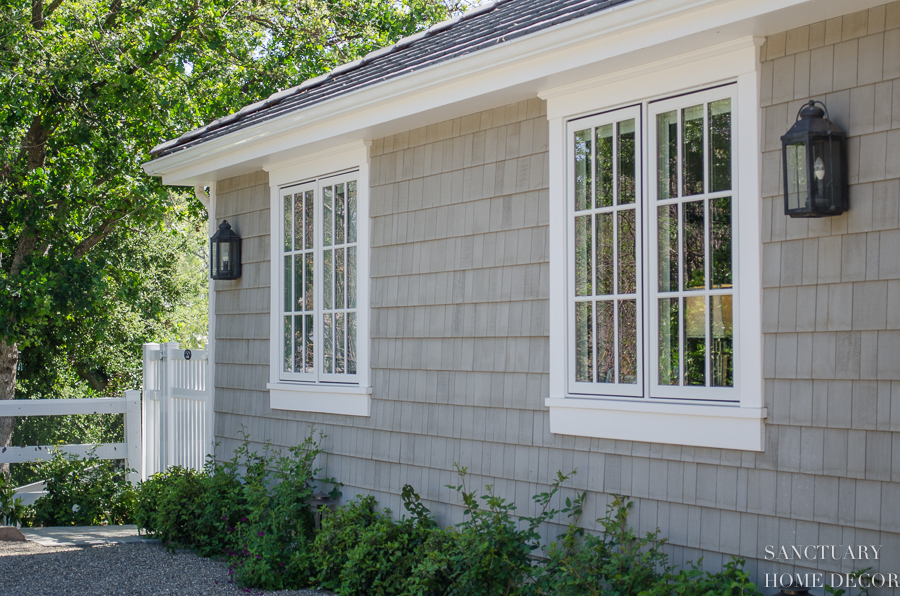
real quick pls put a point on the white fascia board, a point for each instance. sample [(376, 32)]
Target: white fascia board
[(620, 37), (321, 399)]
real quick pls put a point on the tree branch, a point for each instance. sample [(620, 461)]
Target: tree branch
[(102, 232)]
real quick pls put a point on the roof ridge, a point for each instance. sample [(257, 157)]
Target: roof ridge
[(279, 96)]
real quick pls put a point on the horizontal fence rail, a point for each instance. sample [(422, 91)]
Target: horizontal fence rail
[(130, 450)]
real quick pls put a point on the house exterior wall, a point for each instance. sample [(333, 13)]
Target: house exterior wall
[(459, 331)]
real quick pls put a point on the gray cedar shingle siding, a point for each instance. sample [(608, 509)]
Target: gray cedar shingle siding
[(459, 329)]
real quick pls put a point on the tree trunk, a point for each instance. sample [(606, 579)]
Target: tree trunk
[(9, 360)]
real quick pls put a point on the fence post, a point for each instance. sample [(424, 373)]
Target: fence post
[(168, 392), (133, 438), (149, 414)]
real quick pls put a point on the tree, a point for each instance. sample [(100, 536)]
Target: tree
[(87, 87)]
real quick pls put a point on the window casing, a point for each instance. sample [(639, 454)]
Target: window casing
[(727, 409), (323, 305)]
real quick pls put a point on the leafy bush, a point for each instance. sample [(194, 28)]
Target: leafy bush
[(276, 534), (83, 492), (488, 554), (168, 506), (12, 511)]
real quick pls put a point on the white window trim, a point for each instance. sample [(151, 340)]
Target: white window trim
[(350, 399), (738, 425)]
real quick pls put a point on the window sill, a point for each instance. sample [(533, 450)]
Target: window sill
[(722, 427), (347, 400)]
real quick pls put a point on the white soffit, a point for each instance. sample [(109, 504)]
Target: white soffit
[(624, 37)]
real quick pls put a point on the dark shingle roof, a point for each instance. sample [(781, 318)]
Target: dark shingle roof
[(485, 26)]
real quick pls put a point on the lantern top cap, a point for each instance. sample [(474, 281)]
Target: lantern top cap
[(225, 232), (811, 110)]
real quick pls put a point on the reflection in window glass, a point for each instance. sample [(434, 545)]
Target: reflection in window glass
[(694, 251), (692, 150), (582, 170), (720, 241), (606, 341), (721, 332), (605, 263), (605, 165), (695, 340), (626, 162), (627, 263), (667, 155), (796, 176), (667, 226), (583, 251), (720, 145), (669, 352), (584, 342), (628, 342)]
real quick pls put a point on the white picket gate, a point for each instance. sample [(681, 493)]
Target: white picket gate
[(177, 408)]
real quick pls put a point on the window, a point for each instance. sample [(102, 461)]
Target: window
[(319, 352), (688, 265), (655, 330), (319, 312)]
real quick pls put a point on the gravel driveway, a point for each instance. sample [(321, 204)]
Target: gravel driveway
[(29, 569)]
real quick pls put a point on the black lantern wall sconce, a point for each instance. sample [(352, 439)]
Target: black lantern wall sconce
[(225, 253), (814, 154)]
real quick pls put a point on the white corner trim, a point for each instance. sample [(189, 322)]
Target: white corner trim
[(321, 399), (720, 427)]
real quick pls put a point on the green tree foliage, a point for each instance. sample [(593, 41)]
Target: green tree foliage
[(88, 87)]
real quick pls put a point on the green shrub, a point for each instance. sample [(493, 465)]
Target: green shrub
[(486, 555), (178, 495), (223, 506), (277, 532), (83, 492), (12, 511)]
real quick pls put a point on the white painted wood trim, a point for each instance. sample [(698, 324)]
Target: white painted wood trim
[(133, 444), (60, 407), (613, 40), (21, 455), (721, 427), (211, 339), (322, 399)]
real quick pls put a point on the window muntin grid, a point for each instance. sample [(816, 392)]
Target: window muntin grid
[(604, 254), (319, 285)]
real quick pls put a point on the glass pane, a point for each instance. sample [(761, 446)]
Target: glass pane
[(721, 333), (627, 342), (351, 211), (796, 176), (327, 257), (310, 209), (329, 343), (605, 269), (287, 284), (667, 223), (288, 335), (694, 246), (339, 278), (298, 283), (667, 155), (351, 343), (288, 210), (626, 162), (669, 360), (720, 242), (582, 170), (327, 196), (298, 221), (583, 266), (720, 145), (339, 204), (351, 277), (309, 282), (605, 166), (339, 363), (606, 342), (626, 251), (310, 342), (695, 340), (298, 343), (692, 151), (584, 342)]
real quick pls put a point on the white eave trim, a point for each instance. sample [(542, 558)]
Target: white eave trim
[(721, 427), (347, 400), (612, 33)]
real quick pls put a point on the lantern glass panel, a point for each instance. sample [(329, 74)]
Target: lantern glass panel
[(796, 175), (826, 178)]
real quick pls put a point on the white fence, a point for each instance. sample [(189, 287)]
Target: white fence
[(130, 450), (177, 408)]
